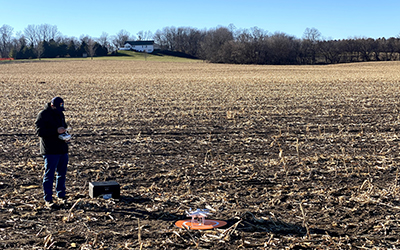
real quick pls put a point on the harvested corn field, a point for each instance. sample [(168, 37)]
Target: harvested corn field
[(291, 157)]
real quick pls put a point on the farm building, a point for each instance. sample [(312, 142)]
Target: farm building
[(142, 46)]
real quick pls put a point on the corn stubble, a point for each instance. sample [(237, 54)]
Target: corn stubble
[(290, 156)]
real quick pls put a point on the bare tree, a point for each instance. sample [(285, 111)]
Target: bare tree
[(48, 32), (182, 39), (191, 39), (312, 34), (330, 50), (140, 35), (145, 35), (31, 35), (104, 40), (258, 33), (233, 30), (6, 32), (169, 35), (351, 50), (390, 47), (249, 46), (91, 48), (85, 38), (213, 42), (36, 34), (309, 45), (366, 47), (283, 48), (120, 39), (39, 50), (159, 39), (19, 41)]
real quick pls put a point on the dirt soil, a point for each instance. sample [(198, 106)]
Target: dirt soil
[(286, 165)]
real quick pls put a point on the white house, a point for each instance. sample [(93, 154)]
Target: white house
[(142, 46)]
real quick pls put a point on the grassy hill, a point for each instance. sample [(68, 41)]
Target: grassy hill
[(157, 56)]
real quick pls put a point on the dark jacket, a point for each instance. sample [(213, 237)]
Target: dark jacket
[(47, 123)]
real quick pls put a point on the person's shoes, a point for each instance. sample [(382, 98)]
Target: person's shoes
[(62, 201), (63, 198), (49, 204)]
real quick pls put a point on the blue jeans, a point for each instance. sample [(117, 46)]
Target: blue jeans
[(53, 164)]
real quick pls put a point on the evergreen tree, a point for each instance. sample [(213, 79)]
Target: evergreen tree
[(101, 50), (71, 49), (82, 49), (62, 50), (26, 53)]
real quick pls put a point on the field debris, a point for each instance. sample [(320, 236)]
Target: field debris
[(291, 157)]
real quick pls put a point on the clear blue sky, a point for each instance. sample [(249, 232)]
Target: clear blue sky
[(335, 19)]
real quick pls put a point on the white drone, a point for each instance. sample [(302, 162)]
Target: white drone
[(198, 216)]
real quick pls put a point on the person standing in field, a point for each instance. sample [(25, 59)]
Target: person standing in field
[(50, 124)]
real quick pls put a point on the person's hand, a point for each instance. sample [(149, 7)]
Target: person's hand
[(61, 130)]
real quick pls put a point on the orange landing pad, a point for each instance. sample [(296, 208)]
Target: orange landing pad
[(208, 224)]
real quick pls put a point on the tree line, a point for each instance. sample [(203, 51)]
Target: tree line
[(45, 41), (257, 46), (216, 45)]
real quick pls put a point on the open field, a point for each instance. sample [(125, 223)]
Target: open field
[(292, 157)]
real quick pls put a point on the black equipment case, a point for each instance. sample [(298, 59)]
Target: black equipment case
[(105, 188)]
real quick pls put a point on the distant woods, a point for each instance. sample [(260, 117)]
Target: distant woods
[(216, 45), (256, 46), (45, 41)]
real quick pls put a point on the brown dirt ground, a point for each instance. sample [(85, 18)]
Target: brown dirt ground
[(315, 167)]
